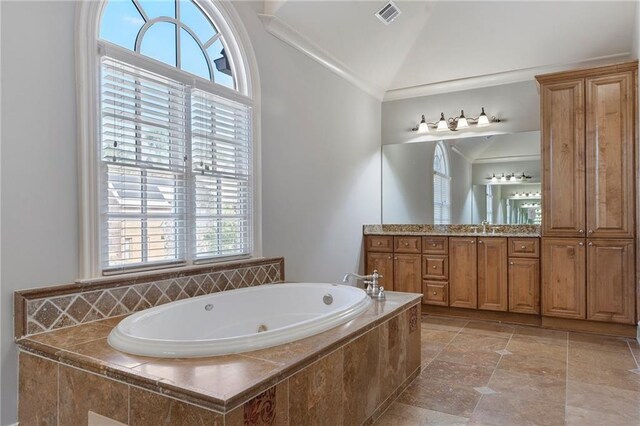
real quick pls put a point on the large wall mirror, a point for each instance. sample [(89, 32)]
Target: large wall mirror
[(458, 181)]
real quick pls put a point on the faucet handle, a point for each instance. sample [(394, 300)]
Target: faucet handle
[(380, 295)]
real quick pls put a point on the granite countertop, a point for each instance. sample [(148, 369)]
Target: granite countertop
[(454, 230), (220, 383)]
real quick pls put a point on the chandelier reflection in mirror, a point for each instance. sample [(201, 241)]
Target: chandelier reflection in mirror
[(455, 123)]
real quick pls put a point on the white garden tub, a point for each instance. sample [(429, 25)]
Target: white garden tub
[(238, 321)]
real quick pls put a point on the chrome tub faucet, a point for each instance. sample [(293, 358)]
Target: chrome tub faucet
[(373, 288)]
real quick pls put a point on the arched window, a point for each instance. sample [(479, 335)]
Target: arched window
[(175, 175), (441, 186)]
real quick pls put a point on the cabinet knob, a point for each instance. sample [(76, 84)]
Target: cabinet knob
[(581, 231), (434, 266), (379, 243), (480, 242), (580, 244), (388, 257), (590, 243), (510, 263), (434, 244), (406, 244), (590, 231), (522, 247), (396, 258), (435, 292), (472, 241)]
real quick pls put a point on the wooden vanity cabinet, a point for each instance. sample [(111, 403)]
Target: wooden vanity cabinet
[(563, 161), (610, 281), (492, 274), (383, 263), (524, 285), (588, 129), (407, 273), (564, 277), (463, 272)]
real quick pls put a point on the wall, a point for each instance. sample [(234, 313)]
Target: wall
[(517, 103), (320, 171), (38, 168)]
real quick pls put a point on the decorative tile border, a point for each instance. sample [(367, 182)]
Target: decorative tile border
[(42, 310)]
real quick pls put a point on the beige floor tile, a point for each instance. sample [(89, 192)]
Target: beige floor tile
[(474, 350), (533, 357), (485, 328), (578, 416), (523, 385), (541, 335), (507, 409), (597, 342), (406, 415), (604, 399), (443, 323), (457, 374), (440, 396)]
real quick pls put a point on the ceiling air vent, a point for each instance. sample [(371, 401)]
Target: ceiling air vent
[(388, 13)]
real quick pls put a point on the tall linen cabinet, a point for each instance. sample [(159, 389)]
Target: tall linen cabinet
[(588, 146)]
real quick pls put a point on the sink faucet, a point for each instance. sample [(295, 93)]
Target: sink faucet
[(373, 289), (484, 226)]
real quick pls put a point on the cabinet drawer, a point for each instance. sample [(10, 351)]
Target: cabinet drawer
[(524, 247), (379, 243), (435, 245), (435, 293), (435, 267), (407, 244)]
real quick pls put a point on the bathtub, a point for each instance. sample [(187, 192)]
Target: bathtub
[(237, 321)]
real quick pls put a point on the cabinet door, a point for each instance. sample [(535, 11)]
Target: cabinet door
[(407, 273), (609, 159), (383, 263), (463, 288), (563, 151), (492, 274), (610, 282), (524, 286), (563, 277), (435, 293)]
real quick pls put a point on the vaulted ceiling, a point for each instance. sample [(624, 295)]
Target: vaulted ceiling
[(433, 43)]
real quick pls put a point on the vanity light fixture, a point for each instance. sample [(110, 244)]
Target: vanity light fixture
[(509, 178), (455, 123)]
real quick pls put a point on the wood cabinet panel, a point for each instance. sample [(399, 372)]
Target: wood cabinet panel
[(563, 151), (435, 267), (435, 293), (407, 273), (492, 274), (563, 277), (407, 244), (380, 243), (435, 245), (524, 285), (610, 139), (383, 263), (610, 281), (524, 247), (463, 266)]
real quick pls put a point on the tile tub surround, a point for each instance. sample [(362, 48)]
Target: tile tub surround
[(453, 230), (50, 308), (350, 374)]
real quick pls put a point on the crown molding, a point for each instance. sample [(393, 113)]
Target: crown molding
[(496, 79), (281, 30), (513, 158)]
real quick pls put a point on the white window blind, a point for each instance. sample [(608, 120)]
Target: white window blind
[(221, 164), (441, 195), (176, 171)]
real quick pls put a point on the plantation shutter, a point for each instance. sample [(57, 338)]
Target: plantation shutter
[(144, 131), (221, 167)]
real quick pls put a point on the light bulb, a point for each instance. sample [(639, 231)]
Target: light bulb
[(423, 127), (483, 120), (442, 123), (462, 121)]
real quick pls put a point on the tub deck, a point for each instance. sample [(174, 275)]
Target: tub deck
[(223, 383)]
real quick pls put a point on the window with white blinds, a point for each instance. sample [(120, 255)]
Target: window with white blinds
[(441, 186), (176, 171)]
